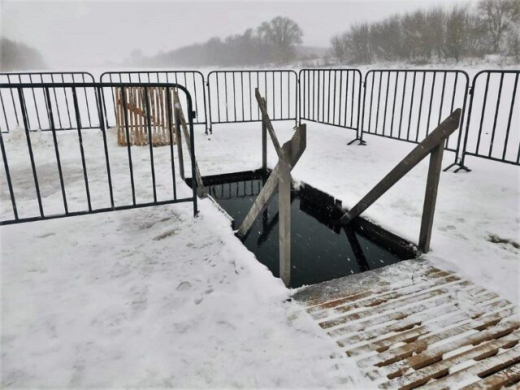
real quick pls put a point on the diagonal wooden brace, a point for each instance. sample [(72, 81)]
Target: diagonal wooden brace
[(266, 121), (291, 153), (184, 126)]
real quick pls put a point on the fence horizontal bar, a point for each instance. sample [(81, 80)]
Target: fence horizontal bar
[(95, 211)]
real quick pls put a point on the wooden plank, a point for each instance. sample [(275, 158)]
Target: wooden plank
[(264, 146), (419, 348), (294, 149), (435, 138), (435, 354), (413, 299), (284, 218), (496, 381), (267, 121), (391, 317), (430, 198), (419, 377), (386, 298), (424, 318), (184, 127), (482, 368), (375, 282)]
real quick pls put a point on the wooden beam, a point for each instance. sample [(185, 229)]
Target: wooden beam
[(268, 124), (264, 146), (284, 207), (430, 198), (293, 149), (436, 138), (186, 133)]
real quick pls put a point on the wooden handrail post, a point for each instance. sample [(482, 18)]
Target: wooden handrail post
[(179, 119), (264, 146), (433, 140), (433, 144), (430, 197), (178, 137), (284, 213)]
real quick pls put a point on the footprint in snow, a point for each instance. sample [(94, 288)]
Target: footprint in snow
[(184, 286)]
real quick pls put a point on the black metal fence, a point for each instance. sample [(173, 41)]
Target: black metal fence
[(192, 80), (331, 96), (37, 107), (400, 104), (408, 104), (493, 127), (231, 95), (42, 178)]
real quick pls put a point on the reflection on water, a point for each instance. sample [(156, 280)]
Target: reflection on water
[(320, 250)]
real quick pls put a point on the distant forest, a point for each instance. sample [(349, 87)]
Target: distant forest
[(490, 27), (15, 56), (435, 35), (273, 42)]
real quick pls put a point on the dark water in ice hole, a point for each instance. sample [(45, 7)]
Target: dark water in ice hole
[(319, 253)]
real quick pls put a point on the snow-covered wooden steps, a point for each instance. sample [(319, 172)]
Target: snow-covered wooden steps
[(411, 325)]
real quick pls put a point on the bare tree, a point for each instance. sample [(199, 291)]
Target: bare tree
[(497, 16), (339, 47), (283, 34)]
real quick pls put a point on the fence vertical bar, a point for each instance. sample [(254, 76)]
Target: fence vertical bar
[(101, 113), (128, 148), (29, 147), (81, 149), (56, 149), (150, 140), (8, 177)]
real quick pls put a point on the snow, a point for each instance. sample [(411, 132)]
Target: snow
[(472, 208), (157, 298), (143, 298)]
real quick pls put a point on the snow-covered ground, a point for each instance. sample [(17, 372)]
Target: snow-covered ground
[(157, 298), (474, 210), (146, 298)]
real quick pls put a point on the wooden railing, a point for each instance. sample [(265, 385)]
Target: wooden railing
[(433, 144), (280, 177)]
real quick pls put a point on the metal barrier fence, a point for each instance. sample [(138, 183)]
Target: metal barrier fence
[(408, 104), (231, 95), (331, 96), (37, 107), (60, 174), (492, 130), (192, 80)]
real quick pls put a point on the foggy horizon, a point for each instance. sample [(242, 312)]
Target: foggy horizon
[(91, 34)]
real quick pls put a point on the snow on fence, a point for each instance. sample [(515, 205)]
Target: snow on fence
[(493, 125), (408, 104), (70, 173), (231, 95), (37, 108), (192, 80), (331, 96)]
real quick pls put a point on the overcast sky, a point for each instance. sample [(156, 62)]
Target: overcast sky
[(82, 34)]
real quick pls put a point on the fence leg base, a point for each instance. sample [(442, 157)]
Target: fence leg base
[(463, 168), (460, 167), (361, 142)]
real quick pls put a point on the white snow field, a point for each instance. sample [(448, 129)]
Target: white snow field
[(143, 298), (157, 298)]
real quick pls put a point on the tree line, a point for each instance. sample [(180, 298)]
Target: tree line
[(272, 42), (492, 27), (18, 56)]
